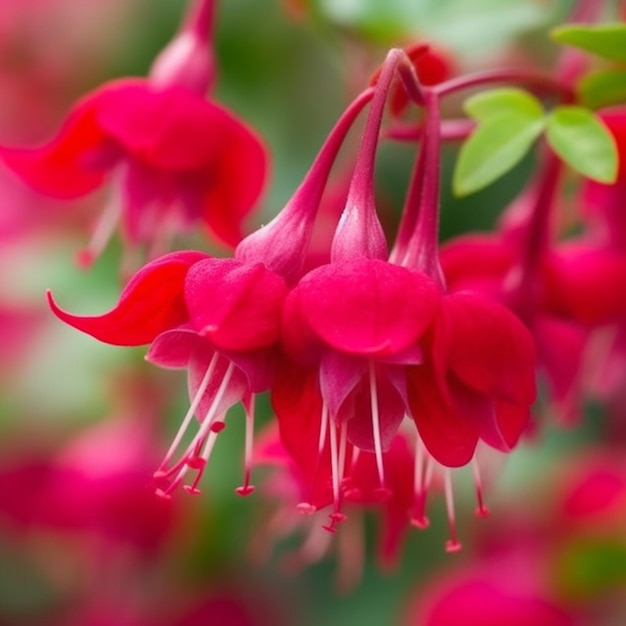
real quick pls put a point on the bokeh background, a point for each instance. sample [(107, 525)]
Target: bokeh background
[(82, 424)]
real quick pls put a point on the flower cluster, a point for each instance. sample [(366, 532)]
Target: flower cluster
[(364, 356), (389, 360)]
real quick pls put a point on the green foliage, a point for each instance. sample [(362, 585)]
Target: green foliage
[(605, 40), (603, 88), (492, 103), (509, 122), (583, 142), (468, 28)]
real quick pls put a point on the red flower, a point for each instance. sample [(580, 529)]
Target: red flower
[(175, 158), (219, 318), (482, 596), (478, 382)]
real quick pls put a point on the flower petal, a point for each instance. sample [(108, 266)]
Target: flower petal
[(169, 128), (151, 303), (448, 438), (583, 283), (357, 410), (297, 402), (339, 375), (489, 349), (74, 163), (236, 305), (368, 307), (173, 348)]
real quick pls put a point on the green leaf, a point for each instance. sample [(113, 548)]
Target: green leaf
[(495, 147), (602, 89), (605, 40), (489, 104), (583, 142)]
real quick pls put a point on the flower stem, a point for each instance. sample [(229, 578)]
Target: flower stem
[(540, 83)]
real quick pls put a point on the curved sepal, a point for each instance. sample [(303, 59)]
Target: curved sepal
[(151, 303)]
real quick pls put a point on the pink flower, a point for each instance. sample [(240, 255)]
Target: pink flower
[(176, 159), (484, 596), (219, 319)]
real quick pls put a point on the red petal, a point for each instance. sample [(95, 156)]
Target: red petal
[(169, 129), (173, 348), (489, 349), (151, 303), (174, 130), (339, 375), (298, 341), (584, 284), (560, 345), (358, 411), (68, 166), (236, 305), (367, 307), (479, 411), (238, 178), (297, 402), (449, 438), (477, 262), (513, 421)]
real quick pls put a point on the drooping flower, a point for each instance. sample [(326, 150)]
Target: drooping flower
[(353, 325), (175, 158), (219, 317), (300, 479)]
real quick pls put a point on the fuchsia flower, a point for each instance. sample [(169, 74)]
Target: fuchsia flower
[(176, 159), (218, 318), (519, 266), (366, 341), (482, 596)]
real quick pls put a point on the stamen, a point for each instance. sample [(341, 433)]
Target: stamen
[(336, 517), (420, 519), (349, 490), (204, 383), (453, 544), (306, 508), (246, 489), (343, 443), (102, 233), (378, 448), (200, 462), (481, 509), (205, 436)]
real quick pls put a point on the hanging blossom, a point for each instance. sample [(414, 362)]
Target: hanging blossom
[(348, 350), (288, 485), (477, 379), (375, 340), (218, 318), (175, 159)]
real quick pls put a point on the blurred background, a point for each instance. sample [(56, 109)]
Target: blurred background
[(82, 424)]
